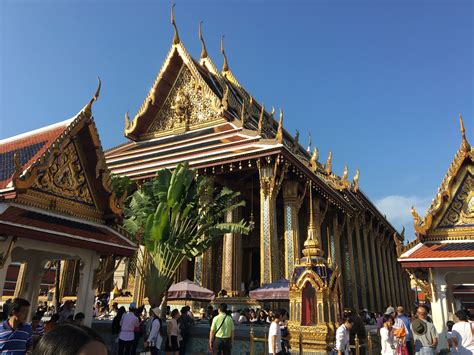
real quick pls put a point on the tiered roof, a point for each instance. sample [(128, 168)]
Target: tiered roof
[(197, 113), (445, 235)]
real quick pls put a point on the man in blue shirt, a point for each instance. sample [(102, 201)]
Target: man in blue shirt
[(401, 315), (15, 333)]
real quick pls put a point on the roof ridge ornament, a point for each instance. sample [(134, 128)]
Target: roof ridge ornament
[(203, 45), (279, 135), (176, 39), (328, 165), (355, 181), (345, 174), (127, 121), (88, 107), (464, 144), (260, 119), (225, 66)]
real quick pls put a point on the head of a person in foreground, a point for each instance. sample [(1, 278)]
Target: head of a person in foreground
[(71, 339), (348, 321)]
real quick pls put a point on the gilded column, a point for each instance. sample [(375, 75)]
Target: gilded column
[(350, 230), (231, 257), (338, 230), (362, 272), (368, 269), (271, 177), (378, 305), (382, 269), (393, 273), (292, 204)]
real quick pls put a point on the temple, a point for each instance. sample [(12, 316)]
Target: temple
[(441, 258), (197, 113)]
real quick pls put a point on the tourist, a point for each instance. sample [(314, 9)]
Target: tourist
[(116, 329), (172, 341), (154, 339), (128, 325), (6, 309), (262, 317), (343, 336), (141, 330), (221, 335), (450, 337), (16, 336), (37, 327), (70, 339), (185, 322), (66, 312), (113, 312), (242, 318), (406, 323), (270, 316), (285, 333), (235, 314), (52, 323), (387, 339), (274, 335), (424, 333), (253, 316), (209, 313), (202, 314), (463, 332), (79, 318)]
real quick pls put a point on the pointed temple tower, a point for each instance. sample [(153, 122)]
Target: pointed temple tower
[(315, 302)]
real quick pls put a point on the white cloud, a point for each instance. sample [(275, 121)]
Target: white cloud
[(397, 209)]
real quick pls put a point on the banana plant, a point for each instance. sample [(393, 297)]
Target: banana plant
[(177, 215)]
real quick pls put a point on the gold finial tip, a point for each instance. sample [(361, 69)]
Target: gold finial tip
[(203, 45), (97, 92), (173, 22), (225, 66)]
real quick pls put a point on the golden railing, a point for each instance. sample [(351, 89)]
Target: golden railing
[(254, 339)]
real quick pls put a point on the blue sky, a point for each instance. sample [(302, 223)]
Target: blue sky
[(380, 83)]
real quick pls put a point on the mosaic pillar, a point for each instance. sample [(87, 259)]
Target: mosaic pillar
[(369, 271), (292, 203), (391, 276), (270, 185), (386, 268), (376, 271), (364, 302), (382, 271), (350, 230), (232, 258), (338, 230)]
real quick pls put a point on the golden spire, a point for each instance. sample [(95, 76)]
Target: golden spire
[(344, 176), (328, 165), (173, 22), (279, 135), (203, 45), (225, 66), (311, 245), (315, 156), (356, 181), (464, 145), (260, 119)]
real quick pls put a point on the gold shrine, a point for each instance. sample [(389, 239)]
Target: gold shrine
[(197, 113)]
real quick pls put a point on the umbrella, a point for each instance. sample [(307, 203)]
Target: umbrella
[(188, 290), (278, 290)]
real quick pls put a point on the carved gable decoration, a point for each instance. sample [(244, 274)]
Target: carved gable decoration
[(65, 177), (187, 106), (460, 212)]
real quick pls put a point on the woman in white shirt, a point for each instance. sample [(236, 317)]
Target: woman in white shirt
[(387, 339), (172, 345), (463, 334), (154, 339)]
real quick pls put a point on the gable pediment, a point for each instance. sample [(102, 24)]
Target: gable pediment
[(187, 106)]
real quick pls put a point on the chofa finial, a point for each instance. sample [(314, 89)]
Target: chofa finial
[(279, 135), (127, 121), (203, 45), (260, 119), (464, 144), (173, 22), (225, 66), (356, 181), (328, 165), (88, 107)]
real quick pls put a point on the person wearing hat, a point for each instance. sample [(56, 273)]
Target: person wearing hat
[(154, 339), (424, 334), (128, 325)]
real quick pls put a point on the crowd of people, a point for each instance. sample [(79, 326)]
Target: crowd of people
[(400, 333)]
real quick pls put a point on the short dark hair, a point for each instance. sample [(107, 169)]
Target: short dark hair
[(79, 316), (277, 315), (17, 304), (66, 339), (387, 317), (223, 307), (462, 315), (349, 319), (450, 324), (184, 310), (174, 312)]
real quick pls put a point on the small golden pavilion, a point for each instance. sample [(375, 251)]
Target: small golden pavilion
[(197, 113)]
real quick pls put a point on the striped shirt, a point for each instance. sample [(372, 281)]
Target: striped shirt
[(15, 342)]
